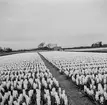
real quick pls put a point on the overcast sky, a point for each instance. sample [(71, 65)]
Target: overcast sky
[(26, 23)]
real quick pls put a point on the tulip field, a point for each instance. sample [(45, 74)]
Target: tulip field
[(86, 70), (25, 80)]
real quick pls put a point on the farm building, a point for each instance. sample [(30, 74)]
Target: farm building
[(50, 45), (58, 48), (97, 44)]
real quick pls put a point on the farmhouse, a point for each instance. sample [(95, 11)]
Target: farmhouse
[(97, 44), (58, 48)]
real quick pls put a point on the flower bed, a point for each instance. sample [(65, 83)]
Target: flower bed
[(25, 80), (87, 70)]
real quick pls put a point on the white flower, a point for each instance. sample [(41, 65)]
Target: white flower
[(10, 100), (97, 96), (101, 99), (105, 95), (27, 99), (38, 98), (31, 81), (23, 103), (8, 84), (57, 99), (44, 82), (30, 93), (20, 98), (15, 102), (15, 93), (65, 100)]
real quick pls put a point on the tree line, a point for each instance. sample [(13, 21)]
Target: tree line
[(5, 49)]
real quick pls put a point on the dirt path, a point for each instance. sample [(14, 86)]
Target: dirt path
[(75, 97)]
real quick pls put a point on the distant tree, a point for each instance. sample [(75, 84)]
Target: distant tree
[(100, 44), (1, 50), (7, 49)]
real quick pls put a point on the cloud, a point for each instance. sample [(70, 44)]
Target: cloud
[(68, 23)]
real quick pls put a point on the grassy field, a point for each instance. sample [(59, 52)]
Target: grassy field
[(99, 50), (7, 53), (10, 53), (16, 52)]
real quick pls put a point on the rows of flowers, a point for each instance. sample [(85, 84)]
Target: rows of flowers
[(25, 80), (87, 70)]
